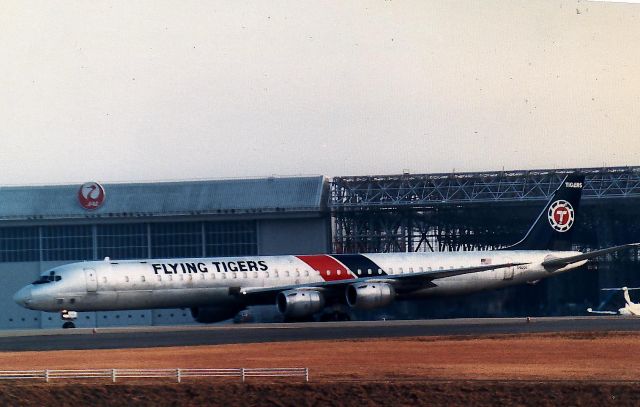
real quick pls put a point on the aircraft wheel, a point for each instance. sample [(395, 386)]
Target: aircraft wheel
[(68, 325), (308, 318), (325, 317), (343, 316), (335, 316)]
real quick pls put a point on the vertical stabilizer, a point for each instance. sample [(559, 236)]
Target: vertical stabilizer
[(554, 226), (625, 293)]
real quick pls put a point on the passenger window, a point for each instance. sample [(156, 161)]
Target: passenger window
[(421, 269), (380, 271), (339, 272), (201, 276), (255, 274), (328, 272), (142, 279), (400, 270), (369, 272), (410, 269), (190, 277), (126, 279), (359, 272), (266, 274), (170, 277), (297, 273), (306, 273), (104, 279), (244, 275), (159, 277)]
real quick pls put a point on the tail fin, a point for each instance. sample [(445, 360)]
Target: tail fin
[(554, 226), (625, 293)]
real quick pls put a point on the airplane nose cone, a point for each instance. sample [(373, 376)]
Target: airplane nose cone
[(23, 296)]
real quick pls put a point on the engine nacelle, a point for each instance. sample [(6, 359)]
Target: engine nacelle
[(370, 295), (299, 303), (208, 315)]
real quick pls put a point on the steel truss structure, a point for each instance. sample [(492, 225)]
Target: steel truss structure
[(458, 211)]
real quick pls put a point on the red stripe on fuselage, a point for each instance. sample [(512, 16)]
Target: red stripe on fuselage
[(329, 268)]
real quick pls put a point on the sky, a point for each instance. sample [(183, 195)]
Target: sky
[(120, 91)]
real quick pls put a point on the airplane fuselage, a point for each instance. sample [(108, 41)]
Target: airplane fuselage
[(200, 282)]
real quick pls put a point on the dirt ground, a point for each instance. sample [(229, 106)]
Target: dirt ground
[(327, 394), (608, 356), (536, 369)]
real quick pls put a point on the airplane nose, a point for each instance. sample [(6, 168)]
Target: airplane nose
[(23, 296)]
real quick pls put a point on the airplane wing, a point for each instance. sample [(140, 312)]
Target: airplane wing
[(265, 295), (564, 261), (589, 310)]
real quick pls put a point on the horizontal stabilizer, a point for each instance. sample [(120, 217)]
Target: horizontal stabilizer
[(564, 261), (620, 289)]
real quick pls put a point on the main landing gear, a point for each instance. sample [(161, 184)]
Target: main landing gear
[(335, 316), (68, 317)]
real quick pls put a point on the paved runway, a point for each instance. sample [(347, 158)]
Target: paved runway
[(143, 337)]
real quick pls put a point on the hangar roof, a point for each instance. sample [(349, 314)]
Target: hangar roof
[(223, 197)]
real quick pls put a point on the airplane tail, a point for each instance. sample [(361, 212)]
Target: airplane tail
[(553, 228), (625, 293)]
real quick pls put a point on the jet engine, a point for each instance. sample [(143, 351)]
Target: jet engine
[(370, 295), (208, 315), (299, 303)]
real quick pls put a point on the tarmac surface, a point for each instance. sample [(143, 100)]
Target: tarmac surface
[(160, 336)]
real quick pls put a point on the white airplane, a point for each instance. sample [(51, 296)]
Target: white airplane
[(630, 308), (215, 289)]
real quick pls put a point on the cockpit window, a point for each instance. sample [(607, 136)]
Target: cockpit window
[(47, 278), (42, 280)]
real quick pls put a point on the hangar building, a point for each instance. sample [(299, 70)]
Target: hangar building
[(42, 227)]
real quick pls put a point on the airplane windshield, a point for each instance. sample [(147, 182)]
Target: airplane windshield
[(47, 279)]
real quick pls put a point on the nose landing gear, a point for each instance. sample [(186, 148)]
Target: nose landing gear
[(68, 317)]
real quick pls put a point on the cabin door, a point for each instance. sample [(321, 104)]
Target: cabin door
[(92, 280)]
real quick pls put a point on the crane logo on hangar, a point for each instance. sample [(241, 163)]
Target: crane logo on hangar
[(91, 195), (561, 215)]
